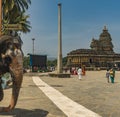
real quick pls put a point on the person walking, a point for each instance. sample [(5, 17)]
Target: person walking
[(108, 75), (79, 72), (112, 75), (83, 70)]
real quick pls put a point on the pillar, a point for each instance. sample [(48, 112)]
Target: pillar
[(59, 60)]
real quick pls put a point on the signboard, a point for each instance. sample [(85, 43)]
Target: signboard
[(38, 60), (13, 26)]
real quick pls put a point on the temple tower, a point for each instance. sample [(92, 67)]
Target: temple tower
[(106, 40), (104, 43)]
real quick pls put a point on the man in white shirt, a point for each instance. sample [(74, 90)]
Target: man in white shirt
[(79, 71)]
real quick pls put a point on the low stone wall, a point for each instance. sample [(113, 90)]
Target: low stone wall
[(60, 75), (95, 68)]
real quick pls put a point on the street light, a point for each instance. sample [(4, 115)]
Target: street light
[(33, 39)]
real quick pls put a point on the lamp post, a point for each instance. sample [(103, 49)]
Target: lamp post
[(33, 39)]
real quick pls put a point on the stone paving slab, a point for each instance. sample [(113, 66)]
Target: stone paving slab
[(93, 92)]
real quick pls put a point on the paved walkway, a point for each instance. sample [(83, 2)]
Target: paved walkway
[(69, 107), (93, 92)]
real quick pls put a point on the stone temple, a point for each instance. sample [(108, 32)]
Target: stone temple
[(100, 56)]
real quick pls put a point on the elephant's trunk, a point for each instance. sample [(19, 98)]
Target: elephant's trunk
[(1, 91), (16, 69)]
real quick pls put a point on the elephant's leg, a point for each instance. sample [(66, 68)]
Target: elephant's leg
[(15, 92), (17, 73), (1, 91), (1, 94)]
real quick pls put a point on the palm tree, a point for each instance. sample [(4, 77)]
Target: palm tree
[(14, 13), (21, 5), (22, 20)]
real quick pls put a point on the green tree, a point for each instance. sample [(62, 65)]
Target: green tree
[(14, 6), (26, 62), (14, 13), (64, 61), (54, 62)]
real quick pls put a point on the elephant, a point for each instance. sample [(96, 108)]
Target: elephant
[(11, 60)]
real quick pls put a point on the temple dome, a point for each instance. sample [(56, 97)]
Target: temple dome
[(105, 35)]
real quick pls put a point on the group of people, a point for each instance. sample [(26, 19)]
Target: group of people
[(110, 75)]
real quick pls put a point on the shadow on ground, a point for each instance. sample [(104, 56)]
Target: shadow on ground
[(44, 85), (26, 113)]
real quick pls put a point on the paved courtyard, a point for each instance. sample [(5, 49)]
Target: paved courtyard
[(92, 92)]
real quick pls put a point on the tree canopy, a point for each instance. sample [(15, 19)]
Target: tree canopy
[(14, 13)]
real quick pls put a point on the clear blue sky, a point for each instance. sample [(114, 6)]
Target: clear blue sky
[(81, 21)]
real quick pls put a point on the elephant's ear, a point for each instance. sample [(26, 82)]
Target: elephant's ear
[(4, 38), (15, 40)]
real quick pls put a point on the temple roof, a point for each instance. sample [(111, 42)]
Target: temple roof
[(89, 51)]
